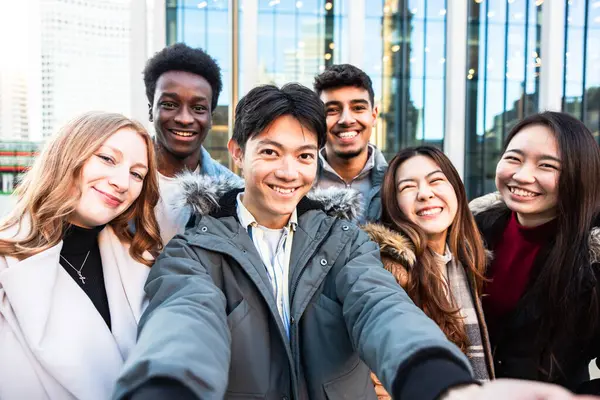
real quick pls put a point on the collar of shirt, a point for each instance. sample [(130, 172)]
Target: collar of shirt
[(369, 165), (247, 219)]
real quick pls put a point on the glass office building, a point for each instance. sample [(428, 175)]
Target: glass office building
[(456, 74)]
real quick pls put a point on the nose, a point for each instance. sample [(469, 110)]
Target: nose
[(287, 170), (120, 179), (346, 118), (524, 174), (184, 117), (425, 193)]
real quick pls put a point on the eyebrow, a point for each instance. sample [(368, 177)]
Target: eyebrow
[(267, 142), (542, 157), (353, 101), (119, 152), (171, 94), (426, 176)]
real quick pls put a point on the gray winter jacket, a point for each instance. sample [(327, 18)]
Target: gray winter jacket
[(213, 326), (372, 202)]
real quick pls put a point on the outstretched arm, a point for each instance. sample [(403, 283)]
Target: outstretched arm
[(183, 339)]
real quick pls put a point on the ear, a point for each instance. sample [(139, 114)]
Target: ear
[(236, 152), (375, 112), (150, 118)]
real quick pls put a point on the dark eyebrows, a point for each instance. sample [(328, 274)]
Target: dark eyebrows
[(542, 157), (268, 142), (308, 147), (426, 176), (353, 101), (176, 96)]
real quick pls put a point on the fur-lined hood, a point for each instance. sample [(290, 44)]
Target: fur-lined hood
[(392, 244), (493, 201), (202, 194)]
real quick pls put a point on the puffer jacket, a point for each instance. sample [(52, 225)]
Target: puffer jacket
[(213, 326), (398, 257)]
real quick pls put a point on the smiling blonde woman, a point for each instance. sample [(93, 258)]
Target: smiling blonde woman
[(71, 271)]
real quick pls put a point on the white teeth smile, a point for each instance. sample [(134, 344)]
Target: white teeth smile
[(430, 211), (348, 135), (282, 190), (184, 134), (522, 192)]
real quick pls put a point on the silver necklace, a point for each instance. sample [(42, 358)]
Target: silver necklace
[(83, 278)]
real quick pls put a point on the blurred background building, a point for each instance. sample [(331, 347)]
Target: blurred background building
[(456, 74)]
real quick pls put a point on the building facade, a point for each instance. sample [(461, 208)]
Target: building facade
[(453, 74)]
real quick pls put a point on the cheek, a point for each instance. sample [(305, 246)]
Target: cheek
[(549, 183), (331, 121), (308, 172), (136, 190), (452, 203), (502, 171), (406, 205)]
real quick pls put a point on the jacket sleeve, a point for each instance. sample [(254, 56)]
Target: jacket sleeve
[(183, 335), (405, 349)]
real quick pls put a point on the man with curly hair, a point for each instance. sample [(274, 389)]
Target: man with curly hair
[(183, 86), (348, 159)]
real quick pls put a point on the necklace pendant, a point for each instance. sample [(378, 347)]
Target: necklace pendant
[(81, 277)]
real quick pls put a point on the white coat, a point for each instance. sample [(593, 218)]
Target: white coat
[(54, 344)]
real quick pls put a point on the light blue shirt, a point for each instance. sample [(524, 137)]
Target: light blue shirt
[(274, 249)]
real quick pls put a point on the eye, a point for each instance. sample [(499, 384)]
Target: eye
[(169, 105), (360, 108), (549, 166), (434, 180), (511, 158), (200, 109), (269, 152), (307, 156), (106, 159), (404, 188), (137, 176), (332, 110)]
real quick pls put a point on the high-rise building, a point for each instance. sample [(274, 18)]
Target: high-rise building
[(14, 123), (83, 58)]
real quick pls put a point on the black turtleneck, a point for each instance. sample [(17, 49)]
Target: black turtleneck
[(76, 244)]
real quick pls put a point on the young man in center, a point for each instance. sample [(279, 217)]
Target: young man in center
[(271, 297), (183, 86), (348, 159)]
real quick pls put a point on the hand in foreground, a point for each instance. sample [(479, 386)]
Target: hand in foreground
[(502, 389)]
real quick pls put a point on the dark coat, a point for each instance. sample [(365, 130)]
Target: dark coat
[(516, 349), (212, 323)]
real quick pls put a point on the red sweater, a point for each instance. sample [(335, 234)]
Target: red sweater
[(514, 258)]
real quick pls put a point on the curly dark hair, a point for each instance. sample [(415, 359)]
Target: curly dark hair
[(341, 75), (181, 57)]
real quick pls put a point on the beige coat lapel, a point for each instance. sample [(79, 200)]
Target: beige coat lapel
[(124, 279), (56, 326)]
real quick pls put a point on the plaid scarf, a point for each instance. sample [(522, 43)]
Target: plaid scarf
[(462, 297)]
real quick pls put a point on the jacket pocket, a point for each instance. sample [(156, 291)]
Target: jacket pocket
[(353, 385), (238, 314)]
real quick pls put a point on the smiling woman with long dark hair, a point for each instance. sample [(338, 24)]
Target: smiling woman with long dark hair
[(429, 241), (541, 303)]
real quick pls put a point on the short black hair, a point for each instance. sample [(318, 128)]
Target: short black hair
[(264, 104), (181, 57), (340, 75)]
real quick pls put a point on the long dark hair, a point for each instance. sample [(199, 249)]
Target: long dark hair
[(566, 273), (425, 286)]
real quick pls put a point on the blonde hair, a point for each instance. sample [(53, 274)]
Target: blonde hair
[(45, 197)]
